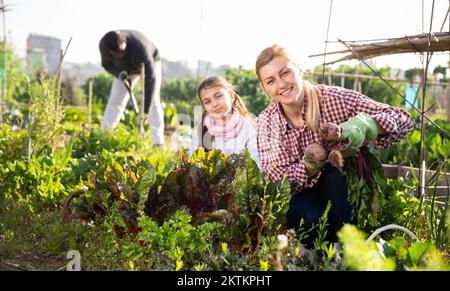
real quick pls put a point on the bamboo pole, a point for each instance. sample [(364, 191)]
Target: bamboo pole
[(370, 77), (417, 43), (57, 93), (422, 168), (4, 82), (89, 105), (59, 80), (141, 128), (448, 99), (356, 84)]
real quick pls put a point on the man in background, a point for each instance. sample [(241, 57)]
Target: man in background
[(122, 53)]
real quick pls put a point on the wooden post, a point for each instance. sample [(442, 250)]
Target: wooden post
[(91, 84), (330, 83), (58, 92), (355, 84), (2, 101), (343, 81), (141, 128), (448, 100), (59, 80), (4, 89)]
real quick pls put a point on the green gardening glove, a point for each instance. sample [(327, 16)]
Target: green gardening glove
[(358, 129)]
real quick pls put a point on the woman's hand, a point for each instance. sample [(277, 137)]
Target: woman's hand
[(330, 132), (314, 158)]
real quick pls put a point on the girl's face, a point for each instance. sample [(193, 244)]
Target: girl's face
[(217, 102), (281, 79)]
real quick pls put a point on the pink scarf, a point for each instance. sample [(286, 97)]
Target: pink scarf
[(233, 125)]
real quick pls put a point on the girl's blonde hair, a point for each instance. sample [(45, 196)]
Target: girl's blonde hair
[(311, 91), (217, 81)]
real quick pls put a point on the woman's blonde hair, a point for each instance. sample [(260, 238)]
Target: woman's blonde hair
[(311, 91), (217, 81)]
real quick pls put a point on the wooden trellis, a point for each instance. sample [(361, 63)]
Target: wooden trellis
[(425, 43), (439, 42)]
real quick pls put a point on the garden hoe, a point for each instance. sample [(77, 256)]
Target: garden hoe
[(127, 84)]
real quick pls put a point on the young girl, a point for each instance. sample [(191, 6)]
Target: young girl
[(225, 123)]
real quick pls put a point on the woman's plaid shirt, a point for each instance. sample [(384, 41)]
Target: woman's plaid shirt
[(281, 144)]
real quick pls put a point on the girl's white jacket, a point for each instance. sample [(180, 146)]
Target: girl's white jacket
[(245, 139)]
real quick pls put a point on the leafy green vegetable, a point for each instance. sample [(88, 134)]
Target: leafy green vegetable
[(363, 173)]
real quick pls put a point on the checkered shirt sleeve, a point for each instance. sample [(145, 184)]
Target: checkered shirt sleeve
[(395, 121)]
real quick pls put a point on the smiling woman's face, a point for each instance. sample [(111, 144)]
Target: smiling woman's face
[(216, 101), (281, 79)]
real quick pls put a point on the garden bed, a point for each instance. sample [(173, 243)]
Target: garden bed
[(441, 188)]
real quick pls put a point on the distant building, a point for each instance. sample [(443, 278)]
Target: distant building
[(36, 60), (174, 69), (204, 68), (43, 52)]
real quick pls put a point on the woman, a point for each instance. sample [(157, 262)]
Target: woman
[(225, 124), (299, 111)]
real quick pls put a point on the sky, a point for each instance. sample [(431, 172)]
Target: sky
[(230, 32)]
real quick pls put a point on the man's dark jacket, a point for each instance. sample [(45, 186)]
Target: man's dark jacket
[(139, 50)]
